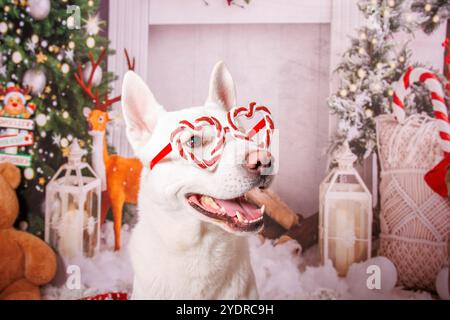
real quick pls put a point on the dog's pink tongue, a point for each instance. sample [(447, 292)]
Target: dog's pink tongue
[(249, 210)]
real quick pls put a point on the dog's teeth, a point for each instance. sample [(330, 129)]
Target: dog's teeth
[(222, 210), (262, 209), (239, 216), (209, 202)]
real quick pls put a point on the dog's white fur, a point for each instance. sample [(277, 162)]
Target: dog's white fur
[(176, 252)]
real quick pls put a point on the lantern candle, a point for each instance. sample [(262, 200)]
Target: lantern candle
[(345, 239), (72, 208), (345, 215)]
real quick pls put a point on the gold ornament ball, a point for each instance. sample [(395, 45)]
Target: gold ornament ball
[(65, 68), (90, 42), (17, 57)]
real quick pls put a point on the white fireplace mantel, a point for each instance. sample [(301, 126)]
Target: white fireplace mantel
[(132, 20)]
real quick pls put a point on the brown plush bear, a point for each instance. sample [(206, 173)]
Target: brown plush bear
[(26, 262)]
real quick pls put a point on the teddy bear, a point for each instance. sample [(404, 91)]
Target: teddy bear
[(26, 262)]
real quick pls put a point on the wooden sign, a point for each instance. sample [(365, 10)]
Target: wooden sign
[(16, 140), (24, 124), (20, 160)]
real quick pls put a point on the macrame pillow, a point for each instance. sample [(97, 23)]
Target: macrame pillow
[(415, 221)]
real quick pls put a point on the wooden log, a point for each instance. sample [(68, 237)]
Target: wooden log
[(274, 207), (306, 232)]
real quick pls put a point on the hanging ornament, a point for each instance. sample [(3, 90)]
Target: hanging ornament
[(28, 173), (35, 79), (96, 78), (39, 9), (3, 27), (41, 58), (17, 57), (41, 120), (92, 25), (65, 68), (90, 42), (64, 142), (35, 38)]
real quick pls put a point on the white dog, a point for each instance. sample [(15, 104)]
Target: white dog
[(188, 241)]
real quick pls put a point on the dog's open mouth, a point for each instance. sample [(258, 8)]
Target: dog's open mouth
[(238, 214)]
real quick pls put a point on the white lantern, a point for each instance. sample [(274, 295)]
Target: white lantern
[(72, 208), (345, 215)]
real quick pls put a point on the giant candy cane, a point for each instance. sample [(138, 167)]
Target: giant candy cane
[(436, 176)]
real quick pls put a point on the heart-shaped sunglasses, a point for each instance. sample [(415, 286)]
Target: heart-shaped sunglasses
[(189, 139)]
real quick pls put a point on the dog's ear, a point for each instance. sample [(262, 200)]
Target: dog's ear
[(221, 87), (140, 110)]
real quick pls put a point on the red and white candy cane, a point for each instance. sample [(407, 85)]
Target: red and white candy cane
[(430, 80), (436, 177)]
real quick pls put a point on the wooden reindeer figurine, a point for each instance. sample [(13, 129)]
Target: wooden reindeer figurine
[(120, 176)]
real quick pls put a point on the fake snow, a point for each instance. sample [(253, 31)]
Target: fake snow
[(281, 271)]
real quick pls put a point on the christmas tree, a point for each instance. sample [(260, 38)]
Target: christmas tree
[(369, 67), (41, 44)]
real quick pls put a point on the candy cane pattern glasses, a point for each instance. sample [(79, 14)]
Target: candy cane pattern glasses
[(202, 142)]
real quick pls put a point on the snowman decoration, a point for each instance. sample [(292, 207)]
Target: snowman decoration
[(15, 124)]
